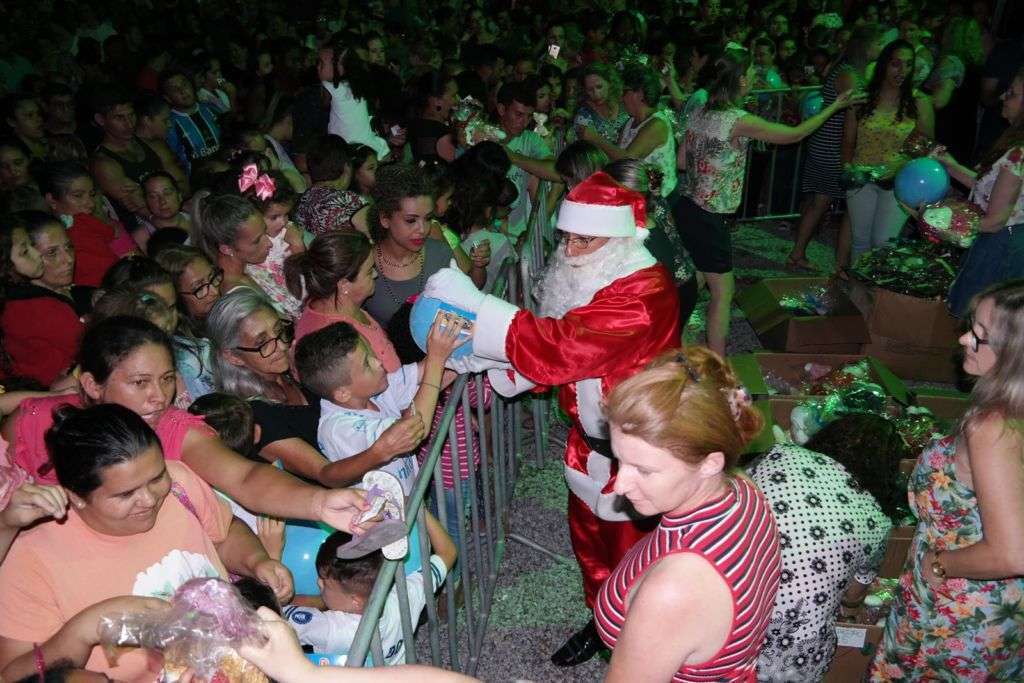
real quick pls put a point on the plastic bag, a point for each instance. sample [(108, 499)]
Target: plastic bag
[(206, 622)]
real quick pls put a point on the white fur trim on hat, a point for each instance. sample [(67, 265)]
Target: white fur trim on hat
[(596, 220)]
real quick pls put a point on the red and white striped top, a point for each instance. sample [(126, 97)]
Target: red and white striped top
[(459, 421), (736, 533)]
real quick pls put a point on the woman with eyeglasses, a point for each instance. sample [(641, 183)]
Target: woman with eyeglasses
[(196, 279), (252, 360), (957, 613), (139, 286)]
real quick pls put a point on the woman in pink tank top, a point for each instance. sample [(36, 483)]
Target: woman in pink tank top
[(692, 600)]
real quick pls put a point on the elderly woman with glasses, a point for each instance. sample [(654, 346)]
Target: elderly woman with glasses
[(252, 360), (957, 612)]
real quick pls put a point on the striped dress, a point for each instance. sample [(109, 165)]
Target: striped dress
[(823, 164), (736, 533)]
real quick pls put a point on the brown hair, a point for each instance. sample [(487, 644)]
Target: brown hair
[(330, 257), (680, 403), (1012, 137)]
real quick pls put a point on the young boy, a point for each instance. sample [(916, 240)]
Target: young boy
[(233, 420), (345, 586), (368, 418)]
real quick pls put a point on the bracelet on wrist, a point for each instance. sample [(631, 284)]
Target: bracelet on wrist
[(938, 569)]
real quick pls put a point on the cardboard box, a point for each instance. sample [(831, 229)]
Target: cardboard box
[(855, 648), (920, 322), (843, 330), (949, 405), (896, 548), (752, 368), (914, 361)]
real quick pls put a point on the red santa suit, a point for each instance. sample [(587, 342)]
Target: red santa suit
[(586, 352)]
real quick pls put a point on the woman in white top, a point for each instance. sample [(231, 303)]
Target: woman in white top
[(344, 76), (997, 254), (647, 136)]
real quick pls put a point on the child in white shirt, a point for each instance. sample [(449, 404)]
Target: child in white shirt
[(345, 585), (368, 418)]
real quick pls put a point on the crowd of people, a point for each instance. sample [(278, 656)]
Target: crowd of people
[(215, 219)]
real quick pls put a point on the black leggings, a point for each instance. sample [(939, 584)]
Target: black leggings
[(688, 294)]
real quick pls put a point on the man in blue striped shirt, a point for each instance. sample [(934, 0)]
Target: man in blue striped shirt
[(194, 133)]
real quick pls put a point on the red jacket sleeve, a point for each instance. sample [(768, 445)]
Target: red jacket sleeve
[(620, 328)]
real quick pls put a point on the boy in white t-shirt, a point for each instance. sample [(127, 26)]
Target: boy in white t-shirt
[(368, 418), (345, 586)]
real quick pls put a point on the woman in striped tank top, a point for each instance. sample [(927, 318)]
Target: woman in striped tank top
[(692, 600)]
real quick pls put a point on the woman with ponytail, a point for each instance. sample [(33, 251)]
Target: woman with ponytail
[(692, 599), (337, 273), (714, 154), (233, 234)]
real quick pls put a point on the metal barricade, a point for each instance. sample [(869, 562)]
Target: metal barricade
[(771, 185), (456, 638)]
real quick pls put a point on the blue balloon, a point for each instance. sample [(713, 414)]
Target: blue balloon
[(327, 659), (922, 181), (302, 540), (811, 105), (421, 319)]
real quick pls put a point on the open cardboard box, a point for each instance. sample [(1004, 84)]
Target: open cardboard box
[(916, 338), (856, 642), (752, 368), (923, 322), (855, 648), (914, 361), (842, 330), (777, 410)]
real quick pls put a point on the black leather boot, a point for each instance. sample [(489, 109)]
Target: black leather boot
[(580, 647)]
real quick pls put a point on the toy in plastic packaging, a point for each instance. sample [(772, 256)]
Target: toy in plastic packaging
[(918, 268), (917, 145), (854, 176), (201, 630), (951, 220), (469, 115), (387, 503), (814, 300)]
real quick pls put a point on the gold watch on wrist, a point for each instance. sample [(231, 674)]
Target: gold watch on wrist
[(938, 569)]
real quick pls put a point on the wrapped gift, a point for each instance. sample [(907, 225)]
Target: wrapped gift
[(205, 623)]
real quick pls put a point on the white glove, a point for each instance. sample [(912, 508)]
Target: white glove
[(454, 287), (474, 363)]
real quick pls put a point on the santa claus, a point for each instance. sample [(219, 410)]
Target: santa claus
[(606, 308)]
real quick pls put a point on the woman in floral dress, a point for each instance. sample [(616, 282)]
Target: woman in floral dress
[(959, 611), (714, 155)]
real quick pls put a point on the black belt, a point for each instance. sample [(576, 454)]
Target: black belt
[(598, 445)]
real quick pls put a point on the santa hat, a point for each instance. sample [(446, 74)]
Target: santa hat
[(601, 207)]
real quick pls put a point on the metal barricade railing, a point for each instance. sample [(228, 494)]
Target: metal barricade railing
[(538, 237), (770, 166), (455, 640)]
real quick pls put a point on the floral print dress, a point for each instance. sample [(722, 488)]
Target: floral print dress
[(969, 630), (715, 166), (269, 275)]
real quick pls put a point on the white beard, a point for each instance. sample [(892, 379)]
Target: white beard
[(570, 282)]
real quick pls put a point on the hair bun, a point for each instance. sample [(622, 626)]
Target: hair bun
[(63, 413)]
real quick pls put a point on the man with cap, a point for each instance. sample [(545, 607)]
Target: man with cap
[(606, 309)]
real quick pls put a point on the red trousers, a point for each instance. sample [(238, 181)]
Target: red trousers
[(600, 545)]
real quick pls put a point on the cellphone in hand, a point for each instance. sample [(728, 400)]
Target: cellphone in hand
[(553, 50)]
